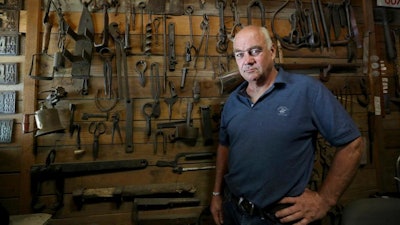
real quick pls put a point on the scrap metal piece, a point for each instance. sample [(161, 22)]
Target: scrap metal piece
[(7, 101), (6, 128)]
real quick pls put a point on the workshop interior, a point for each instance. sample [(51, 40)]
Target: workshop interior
[(110, 109)]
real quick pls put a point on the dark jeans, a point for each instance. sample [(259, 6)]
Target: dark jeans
[(233, 215)]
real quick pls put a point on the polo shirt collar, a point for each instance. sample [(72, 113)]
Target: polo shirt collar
[(280, 80)]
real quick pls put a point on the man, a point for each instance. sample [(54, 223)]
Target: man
[(269, 127)]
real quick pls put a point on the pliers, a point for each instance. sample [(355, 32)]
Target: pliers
[(115, 127)]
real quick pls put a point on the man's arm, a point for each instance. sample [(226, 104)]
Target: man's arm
[(310, 205), (221, 169), (342, 171)]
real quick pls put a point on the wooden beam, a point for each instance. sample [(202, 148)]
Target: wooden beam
[(32, 46)]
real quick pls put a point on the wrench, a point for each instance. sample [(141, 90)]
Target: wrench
[(141, 67), (222, 37), (205, 27), (189, 45), (105, 33), (236, 20), (142, 6)]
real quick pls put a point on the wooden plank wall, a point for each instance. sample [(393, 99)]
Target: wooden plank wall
[(17, 157)]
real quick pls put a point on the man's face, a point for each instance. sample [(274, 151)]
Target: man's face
[(252, 55)]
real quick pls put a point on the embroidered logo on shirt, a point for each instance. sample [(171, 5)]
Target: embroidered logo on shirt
[(282, 111)]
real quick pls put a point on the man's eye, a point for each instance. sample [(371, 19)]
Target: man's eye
[(255, 52), (239, 54)]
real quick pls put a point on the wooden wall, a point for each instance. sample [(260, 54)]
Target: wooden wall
[(16, 158)]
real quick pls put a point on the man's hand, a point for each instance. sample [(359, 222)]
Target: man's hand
[(307, 207), (216, 209)]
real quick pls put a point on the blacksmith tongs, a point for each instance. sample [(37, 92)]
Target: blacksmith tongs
[(115, 127)]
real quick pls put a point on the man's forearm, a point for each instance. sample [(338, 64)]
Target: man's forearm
[(342, 171), (221, 167)]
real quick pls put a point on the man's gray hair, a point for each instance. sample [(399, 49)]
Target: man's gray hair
[(268, 39)]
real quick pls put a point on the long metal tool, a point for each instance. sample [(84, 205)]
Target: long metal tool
[(171, 46), (122, 70), (59, 171)]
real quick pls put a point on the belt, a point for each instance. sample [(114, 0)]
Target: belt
[(253, 210)]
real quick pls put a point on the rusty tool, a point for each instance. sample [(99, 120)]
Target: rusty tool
[(116, 127), (97, 129), (382, 15), (72, 108), (156, 6), (118, 194), (122, 70), (78, 150), (187, 133), (59, 171), (198, 157), (172, 99)]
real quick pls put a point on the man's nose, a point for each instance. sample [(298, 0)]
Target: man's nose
[(248, 59)]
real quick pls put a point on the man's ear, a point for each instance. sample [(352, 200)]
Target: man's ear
[(273, 51)]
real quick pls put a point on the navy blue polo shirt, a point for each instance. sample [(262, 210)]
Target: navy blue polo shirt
[(272, 142)]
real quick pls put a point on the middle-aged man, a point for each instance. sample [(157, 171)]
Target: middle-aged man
[(268, 132)]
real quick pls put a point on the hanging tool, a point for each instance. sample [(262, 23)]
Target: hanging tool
[(260, 5), (78, 150), (202, 3), (171, 47), (156, 24), (107, 55), (105, 33), (205, 113), (156, 6), (72, 109), (152, 109), (115, 119), (128, 9), (189, 45), (165, 52), (196, 91), (59, 171), (176, 7), (236, 20), (122, 70), (172, 99), (133, 15), (382, 15), (205, 27), (107, 101), (183, 77), (97, 129), (324, 25), (177, 167), (142, 6), (164, 142), (222, 37), (187, 133), (81, 59), (141, 67), (118, 194), (148, 37)]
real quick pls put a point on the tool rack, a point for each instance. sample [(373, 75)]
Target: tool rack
[(330, 65)]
